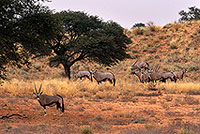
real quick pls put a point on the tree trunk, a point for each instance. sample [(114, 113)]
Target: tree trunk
[(67, 70)]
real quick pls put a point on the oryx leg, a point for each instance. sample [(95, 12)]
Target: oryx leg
[(163, 80), (57, 107), (81, 79), (45, 111), (56, 112), (110, 81), (88, 77), (173, 79), (61, 113)]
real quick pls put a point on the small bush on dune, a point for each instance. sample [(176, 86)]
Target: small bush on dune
[(173, 46), (177, 26), (138, 31), (86, 130), (155, 28)]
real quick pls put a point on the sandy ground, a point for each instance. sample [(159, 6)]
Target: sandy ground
[(166, 113)]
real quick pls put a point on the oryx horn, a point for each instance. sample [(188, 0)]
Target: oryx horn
[(40, 88)]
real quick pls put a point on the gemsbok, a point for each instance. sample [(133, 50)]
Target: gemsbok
[(162, 76), (46, 100), (143, 76), (139, 65), (100, 77), (82, 74), (168, 75), (179, 74)]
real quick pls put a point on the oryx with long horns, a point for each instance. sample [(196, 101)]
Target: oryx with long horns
[(101, 76), (179, 74), (47, 100), (82, 74), (143, 76), (139, 65)]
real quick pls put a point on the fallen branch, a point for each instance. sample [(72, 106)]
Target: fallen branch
[(9, 116)]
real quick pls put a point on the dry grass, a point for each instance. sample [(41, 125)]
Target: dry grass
[(182, 87), (179, 87), (65, 87)]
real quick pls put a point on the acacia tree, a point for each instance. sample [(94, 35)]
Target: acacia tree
[(192, 14), (86, 37), (25, 26)]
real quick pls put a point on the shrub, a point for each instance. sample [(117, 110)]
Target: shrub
[(86, 130), (138, 31), (173, 46), (185, 131), (149, 126), (176, 26), (194, 68), (140, 119), (154, 29)]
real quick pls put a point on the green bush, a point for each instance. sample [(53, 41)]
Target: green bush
[(194, 68)]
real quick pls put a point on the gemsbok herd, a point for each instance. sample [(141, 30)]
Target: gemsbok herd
[(153, 76), (140, 69)]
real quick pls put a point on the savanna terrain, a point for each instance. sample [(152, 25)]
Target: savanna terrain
[(128, 108)]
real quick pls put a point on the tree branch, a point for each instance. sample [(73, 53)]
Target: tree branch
[(80, 57)]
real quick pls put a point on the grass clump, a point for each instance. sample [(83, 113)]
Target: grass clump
[(185, 131), (138, 31), (140, 119), (86, 130)]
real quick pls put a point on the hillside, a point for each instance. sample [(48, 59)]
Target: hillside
[(172, 47)]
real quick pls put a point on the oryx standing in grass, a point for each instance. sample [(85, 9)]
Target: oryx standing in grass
[(46, 100), (82, 74), (143, 76), (139, 65), (162, 76), (168, 75), (100, 76), (179, 74)]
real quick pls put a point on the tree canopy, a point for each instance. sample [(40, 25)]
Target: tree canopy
[(86, 37), (25, 26), (192, 14)]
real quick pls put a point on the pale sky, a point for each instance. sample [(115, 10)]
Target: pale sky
[(128, 12)]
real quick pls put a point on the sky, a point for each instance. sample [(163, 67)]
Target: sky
[(128, 12)]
